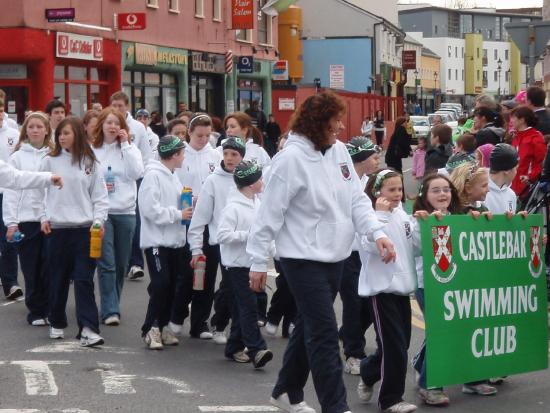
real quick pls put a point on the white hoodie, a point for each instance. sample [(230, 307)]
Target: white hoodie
[(393, 278), (212, 199), (127, 167), (12, 178), (8, 140), (197, 166), (235, 221), (500, 200), (24, 205), (153, 139), (159, 208), (312, 206), (83, 200), (138, 136)]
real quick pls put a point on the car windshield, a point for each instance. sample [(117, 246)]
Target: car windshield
[(420, 122)]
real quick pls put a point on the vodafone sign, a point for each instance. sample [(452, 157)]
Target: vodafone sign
[(75, 46), (131, 21)]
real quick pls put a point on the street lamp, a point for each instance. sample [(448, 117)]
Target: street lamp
[(509, 71), (499, 69), (435, 87)]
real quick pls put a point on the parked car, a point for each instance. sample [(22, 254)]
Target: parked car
[(445, 117), (452, 114), (421, 125)]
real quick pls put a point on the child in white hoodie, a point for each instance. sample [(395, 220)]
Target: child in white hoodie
[(240, 124), (235, 223), (201, 159), (21, 213), (163, 238), (503, 168), (69, 215), (121, 164), (388, 286)]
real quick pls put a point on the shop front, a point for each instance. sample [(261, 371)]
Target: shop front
[(154, 77), (37, 66), (207, 83), (255, 86)]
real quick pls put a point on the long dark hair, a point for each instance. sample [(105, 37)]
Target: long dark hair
[(82, 152), (421, 203), (491, 116)]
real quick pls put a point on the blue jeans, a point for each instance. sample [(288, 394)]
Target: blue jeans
[(113, 264)]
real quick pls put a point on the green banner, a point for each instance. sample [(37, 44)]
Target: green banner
[(485, 298)]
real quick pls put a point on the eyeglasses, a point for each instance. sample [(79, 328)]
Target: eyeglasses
[(437, 191)]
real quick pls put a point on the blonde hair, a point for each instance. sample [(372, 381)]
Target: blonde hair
[(464, 178), (23, 138)]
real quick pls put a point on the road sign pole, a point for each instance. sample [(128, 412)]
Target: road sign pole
[(531, 55)]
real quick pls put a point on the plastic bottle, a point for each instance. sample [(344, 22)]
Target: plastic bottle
[(17, 237), (198, 274), (95, 241), (110, 180), (186, 201)]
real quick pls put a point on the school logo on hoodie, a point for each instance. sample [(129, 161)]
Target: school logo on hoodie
[(535, 264), (11, 141), (211, 166), (444, 269), (344, 168)]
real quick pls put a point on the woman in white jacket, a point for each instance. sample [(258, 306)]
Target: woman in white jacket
[(240, 124), (388, 287), (312, 207), (121, 165), (22, 213)]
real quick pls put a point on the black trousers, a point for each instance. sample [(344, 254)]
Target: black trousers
[(32, 254), (282, 305), (314, 343), (355, 309), (8, 257), (165, 266), (223, 302), (391, 314)]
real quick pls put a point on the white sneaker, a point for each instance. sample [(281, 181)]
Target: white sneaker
[(352, 366), (135, 272), (168, 337), (40, 322), (153, 339), (176, 328), (401, 407), (89, 338), (283, 403), (241, 357), (364, 392), (56, 333), (271, 329), (15, 293), (113, 320), (206, 335), (219, 337)]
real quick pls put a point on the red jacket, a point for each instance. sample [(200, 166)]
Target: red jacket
[(531, 150)]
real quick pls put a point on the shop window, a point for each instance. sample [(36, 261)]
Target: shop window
[(506, 54), (153, 91), (244, 35), (174, 6), (217, 10), (154, 4), (199, 8), (265, 25)]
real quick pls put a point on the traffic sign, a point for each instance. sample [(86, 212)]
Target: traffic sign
[(131, 21)]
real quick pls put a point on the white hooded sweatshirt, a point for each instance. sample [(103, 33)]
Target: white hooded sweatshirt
[(212, 199), (138, 136), (126, 167), (12, 178), (312, 206), (159, 208), (254, 153), (393, 278), (83, 200), (24, 205), (500, 200), (197, 166), (8, 140)]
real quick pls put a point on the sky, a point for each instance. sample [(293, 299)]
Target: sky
[(502, 4)]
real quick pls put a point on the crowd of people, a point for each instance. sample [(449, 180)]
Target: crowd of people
[(329, 217)]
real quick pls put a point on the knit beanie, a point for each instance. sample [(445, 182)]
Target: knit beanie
[(247, 173), (235, 143), (361, 148), (169, 145), (458, 159), (503, 158)]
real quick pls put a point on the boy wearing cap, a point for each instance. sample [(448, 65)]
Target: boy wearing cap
[(162, 237), (355, 313), (144, 117), (501, 199), (235, 223), (212, 199)]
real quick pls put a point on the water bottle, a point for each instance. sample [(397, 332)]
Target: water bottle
[(110, 180), (198, 274), (17, 237), (95, 241), (186, 201)]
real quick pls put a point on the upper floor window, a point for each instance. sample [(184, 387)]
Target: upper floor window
[(506, 54), (153, 3), (173, 6), (497, 28), (435, 29), (244, 35), (466, 24), (450, 72), (456, 51), (265, 25), (504, 35), (217, 10), (496, 54), (199, 8)]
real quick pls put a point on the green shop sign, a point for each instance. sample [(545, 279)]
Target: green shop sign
[(485, 298), (151, 55)]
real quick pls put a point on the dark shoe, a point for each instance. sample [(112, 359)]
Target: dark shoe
[(262, 358), (15, 293)]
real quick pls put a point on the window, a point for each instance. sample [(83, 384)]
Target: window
[(507, 76), (496, 54), (153, 4), (450, 74), (435, 29), (173, 6), (489, 34), (449, 50), (504, 35), (265, 24), (456, 51), (462, 52), (485, 53), (456, 74), (244, 35), (477, 52), (462, 74), (217, 10), (484, 75), (497, 28), (199, 8), (495, 76), (466, 24), (478, 75), (506, 54), (153, 91)]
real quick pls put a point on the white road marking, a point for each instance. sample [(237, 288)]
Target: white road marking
[(75, 347), (179, 386), (114, 381), (42, 411), (39, 379), (17, 300), (406, 170), (238, 409)]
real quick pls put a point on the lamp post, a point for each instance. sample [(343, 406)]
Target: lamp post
[(435, 88), (499, 69), (509, 71)]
